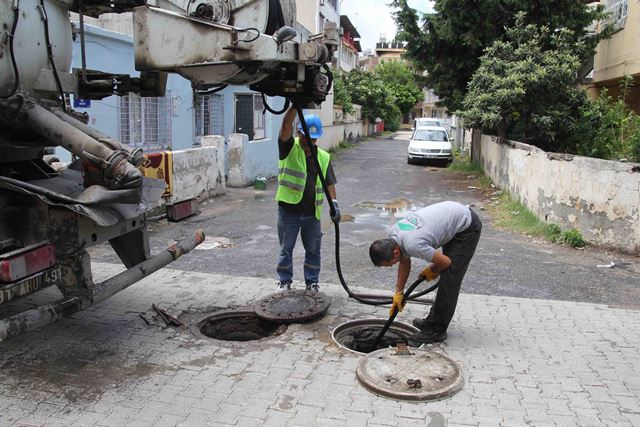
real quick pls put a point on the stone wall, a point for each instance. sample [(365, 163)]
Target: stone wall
[(199, 172), (601, 198)]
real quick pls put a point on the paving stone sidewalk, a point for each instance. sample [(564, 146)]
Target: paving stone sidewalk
[(525, 362)]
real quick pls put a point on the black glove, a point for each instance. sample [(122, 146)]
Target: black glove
[(336, 216)]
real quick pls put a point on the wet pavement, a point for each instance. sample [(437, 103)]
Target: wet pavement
[(540, 332), (375, 187)]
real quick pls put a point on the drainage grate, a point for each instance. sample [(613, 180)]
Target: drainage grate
[(239, 325)]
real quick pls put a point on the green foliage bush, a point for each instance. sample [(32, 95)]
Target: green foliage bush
[(400, 81), (392, 123), (388, 93), (368, 91), (572, 238), (609, 129), (448, 43), (341, 95), (525, 88)]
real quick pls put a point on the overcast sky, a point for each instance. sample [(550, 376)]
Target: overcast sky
[(372, 17)]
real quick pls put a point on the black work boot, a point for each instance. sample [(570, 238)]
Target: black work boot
[(426, 337), (419, 323)]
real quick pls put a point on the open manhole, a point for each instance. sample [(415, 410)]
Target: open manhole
[(360, 335), (239, 325)]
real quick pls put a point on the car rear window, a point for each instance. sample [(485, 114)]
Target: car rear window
[(430, 135), (428, 122)]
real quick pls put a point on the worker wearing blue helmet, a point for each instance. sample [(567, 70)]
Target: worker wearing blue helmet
[(300, 199)]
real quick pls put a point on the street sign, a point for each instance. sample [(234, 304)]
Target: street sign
[(81, 103)]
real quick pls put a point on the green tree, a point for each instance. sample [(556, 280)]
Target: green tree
[(400, 81), (449, 43), (341, 95), (376, 99), (525, 87)]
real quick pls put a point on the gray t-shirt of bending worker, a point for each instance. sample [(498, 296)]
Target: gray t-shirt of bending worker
[(420, 233)]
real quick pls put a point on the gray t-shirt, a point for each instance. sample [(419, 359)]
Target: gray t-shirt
[(420, 233)]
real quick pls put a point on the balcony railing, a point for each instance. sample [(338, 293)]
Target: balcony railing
[(394, 45)]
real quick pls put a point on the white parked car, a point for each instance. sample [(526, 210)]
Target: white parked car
[(425, 121), (430, 143)]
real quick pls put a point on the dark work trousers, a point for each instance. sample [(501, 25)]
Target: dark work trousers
[(460, 249)]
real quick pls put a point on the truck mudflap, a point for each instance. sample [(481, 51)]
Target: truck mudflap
[(36, 318)]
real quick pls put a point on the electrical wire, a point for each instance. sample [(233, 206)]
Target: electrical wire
[(244, 30), (271, 110), (210, 91), (16, 81), (45, 20)]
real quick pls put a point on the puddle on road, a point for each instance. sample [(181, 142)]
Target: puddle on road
[(398, 207)]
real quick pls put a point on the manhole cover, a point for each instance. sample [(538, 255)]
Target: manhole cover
[(411, 374), (239, 325), (292, 306), (360, 335)]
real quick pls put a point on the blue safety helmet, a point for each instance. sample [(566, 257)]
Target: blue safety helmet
[(314, 124)]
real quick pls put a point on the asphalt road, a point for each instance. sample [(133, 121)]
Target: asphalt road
[(375, 186)]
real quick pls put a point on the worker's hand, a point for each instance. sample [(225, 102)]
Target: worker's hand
[(429, 274), (398, 303), (336, 216)]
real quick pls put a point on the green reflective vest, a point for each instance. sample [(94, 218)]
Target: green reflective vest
[(293, 176)]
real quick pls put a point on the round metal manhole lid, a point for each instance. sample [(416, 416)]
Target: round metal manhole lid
[(292, 306), (410, 374)]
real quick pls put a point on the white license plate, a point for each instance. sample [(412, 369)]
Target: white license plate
[(31, 284)]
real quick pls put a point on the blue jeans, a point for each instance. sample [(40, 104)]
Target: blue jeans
[(289, 224)]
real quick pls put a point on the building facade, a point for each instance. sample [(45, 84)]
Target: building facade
[(619, 55), (348, 55)]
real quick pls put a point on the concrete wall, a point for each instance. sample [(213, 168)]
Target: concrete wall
[(339, 132), (199, 172), (345, 127), (248, 160), (601, 198)]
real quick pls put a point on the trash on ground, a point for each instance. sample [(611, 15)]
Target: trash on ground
[(611, 264), (213, 243), (168, 319), (145, 319)]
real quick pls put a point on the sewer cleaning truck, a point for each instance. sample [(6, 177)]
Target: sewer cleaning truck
[(50, 217)]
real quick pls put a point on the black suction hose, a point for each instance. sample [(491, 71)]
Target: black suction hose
[(369, 300), (396, 311)]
